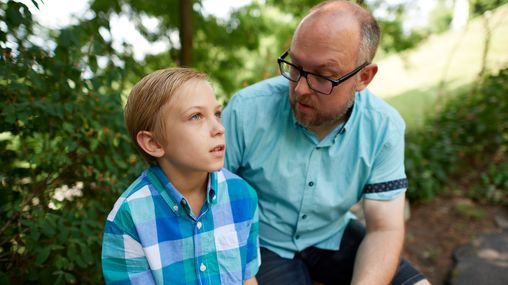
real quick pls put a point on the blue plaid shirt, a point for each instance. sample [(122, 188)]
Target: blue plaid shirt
[(152, 237)]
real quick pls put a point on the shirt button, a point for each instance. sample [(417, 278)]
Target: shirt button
[(202, 267), (304, 217), (199, 225), (311, 184), (175, 208), (297, 236)]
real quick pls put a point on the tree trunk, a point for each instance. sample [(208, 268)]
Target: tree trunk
[(460, 14), (186, 33)]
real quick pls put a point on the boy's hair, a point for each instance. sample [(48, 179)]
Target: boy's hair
[(147, 98)]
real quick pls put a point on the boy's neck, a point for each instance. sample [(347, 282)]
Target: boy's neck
[(192, 185)]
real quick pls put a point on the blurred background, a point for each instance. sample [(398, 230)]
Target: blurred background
[(66, 68)]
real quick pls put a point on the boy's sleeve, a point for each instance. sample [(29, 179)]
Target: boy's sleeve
[(253, 254), (123, 258)]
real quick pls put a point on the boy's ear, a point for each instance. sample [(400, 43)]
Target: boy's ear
[(147, 141), (366, 76)]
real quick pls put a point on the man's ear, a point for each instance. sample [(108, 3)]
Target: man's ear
[(366, 76), (147, 141)]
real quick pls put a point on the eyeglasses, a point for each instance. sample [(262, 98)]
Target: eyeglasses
[(316, 82)]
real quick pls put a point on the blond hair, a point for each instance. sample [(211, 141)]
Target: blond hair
[(147, 98)]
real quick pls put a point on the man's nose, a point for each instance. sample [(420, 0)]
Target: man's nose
[(302, 86)]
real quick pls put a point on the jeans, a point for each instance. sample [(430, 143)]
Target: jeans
[(325, 266)]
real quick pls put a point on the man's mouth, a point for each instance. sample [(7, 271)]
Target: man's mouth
[(303, 105)]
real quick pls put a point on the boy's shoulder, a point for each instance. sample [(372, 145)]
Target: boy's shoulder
[(141, 188), (235, 184)]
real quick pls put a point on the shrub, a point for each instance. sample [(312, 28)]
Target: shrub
[(466, 142), (65, 153)]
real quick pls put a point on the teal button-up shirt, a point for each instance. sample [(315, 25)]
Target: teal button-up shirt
[(306, 186)]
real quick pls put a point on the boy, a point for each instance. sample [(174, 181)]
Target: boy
[(184, 220)]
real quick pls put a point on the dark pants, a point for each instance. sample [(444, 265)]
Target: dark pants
[(325, 266)]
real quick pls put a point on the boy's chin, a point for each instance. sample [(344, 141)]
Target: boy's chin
[(217, 167)]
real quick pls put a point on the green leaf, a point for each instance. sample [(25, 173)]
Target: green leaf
[(42, 255), (70, 278), (47, 230), (34, 2)]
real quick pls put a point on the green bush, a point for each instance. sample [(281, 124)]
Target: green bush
[(65, 153), (466, 142)]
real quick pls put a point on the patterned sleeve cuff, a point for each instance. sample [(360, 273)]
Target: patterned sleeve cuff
[(385, 186)]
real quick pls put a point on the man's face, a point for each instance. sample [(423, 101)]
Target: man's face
[(194, 132), (315, 51)]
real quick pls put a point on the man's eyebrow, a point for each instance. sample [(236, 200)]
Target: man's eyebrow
[(330, 65)]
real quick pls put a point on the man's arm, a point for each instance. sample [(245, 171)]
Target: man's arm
[(378, 257)]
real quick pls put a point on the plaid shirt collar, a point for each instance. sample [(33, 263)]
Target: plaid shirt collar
[(172, 196)]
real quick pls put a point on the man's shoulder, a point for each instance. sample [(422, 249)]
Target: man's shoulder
[(264, 90), (379, 111)]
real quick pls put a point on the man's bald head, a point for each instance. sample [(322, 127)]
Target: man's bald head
[(333, 15)]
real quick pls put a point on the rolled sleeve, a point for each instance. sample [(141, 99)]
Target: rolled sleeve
[(388, 178)]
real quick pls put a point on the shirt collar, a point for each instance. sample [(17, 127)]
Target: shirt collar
[(173, 197)]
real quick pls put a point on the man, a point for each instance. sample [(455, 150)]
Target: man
[(314, 142)]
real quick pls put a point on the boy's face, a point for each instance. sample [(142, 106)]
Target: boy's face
[(194, 133)]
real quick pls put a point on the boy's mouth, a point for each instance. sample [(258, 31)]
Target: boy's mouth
[(218, 148)]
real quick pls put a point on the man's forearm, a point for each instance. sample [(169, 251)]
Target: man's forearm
[(378, 257)]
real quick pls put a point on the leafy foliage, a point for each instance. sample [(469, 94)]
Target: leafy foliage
[(467, 141), (66, 155), (479, 7), (64, 148)]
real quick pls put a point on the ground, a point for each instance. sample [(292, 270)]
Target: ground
[(437, 227)]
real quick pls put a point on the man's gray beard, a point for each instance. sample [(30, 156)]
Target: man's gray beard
[(329, 120)]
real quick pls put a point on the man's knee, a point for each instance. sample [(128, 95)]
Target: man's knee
[(277, 270)]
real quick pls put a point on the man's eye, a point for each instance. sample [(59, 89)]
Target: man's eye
[(218, 114)]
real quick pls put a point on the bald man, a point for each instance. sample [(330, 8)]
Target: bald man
[(313, 142)]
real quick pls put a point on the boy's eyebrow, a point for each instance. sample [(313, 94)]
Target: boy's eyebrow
[(201, 107)]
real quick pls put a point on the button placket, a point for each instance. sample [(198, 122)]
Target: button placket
[(308, 194)]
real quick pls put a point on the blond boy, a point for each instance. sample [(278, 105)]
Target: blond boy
[(184, 220)]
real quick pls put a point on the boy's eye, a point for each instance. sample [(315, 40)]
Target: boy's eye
[(196, 117), (218, 114)]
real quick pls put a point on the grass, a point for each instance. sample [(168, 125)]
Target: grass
[(415, 80)]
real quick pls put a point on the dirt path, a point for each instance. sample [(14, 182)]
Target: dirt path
[(437, 227)]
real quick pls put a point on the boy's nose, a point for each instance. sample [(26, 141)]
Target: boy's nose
[(218, 128)]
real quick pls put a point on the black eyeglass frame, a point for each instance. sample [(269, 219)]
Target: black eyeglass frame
[(304, 73)]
